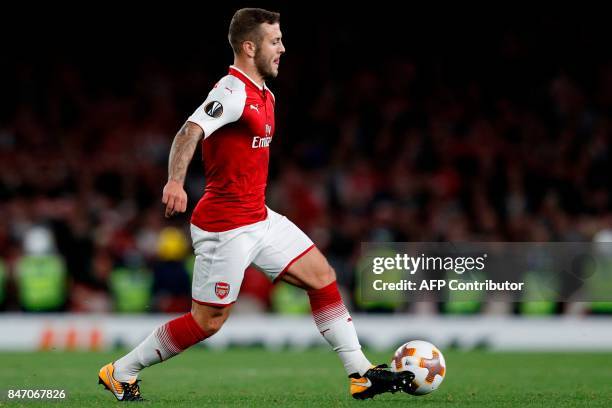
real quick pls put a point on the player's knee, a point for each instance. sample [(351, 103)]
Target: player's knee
[(210, 325), (325, 277), (213, 325), (210, 319), (331, 275)]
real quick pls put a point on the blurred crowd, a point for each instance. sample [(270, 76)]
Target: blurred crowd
[(403, 147)]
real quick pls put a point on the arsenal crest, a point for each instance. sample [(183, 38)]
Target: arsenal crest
[(222, 289)]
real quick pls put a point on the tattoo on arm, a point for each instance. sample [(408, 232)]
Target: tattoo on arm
[(183, 146)]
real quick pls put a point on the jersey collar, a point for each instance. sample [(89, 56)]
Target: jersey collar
[(240, 74)]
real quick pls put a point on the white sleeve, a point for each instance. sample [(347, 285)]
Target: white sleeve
[(224, 104)]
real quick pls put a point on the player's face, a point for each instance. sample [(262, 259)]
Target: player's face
[(269, 51)]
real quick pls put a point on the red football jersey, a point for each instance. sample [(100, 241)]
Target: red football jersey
[(238, 122)]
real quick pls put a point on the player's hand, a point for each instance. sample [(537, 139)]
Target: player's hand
[(175, 198)]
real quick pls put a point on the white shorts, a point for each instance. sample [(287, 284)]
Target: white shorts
[(271, 245)]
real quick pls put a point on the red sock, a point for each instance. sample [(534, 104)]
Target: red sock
[(326, 304), (336, 325), (180, 333), (164, 342)]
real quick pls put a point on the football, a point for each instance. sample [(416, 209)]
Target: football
[(426, 362)]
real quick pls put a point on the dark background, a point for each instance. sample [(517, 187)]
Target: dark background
[(392, 125)]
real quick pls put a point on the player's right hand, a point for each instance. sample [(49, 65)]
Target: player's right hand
[(174, 197)]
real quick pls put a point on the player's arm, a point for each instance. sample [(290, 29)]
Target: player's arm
[(181, 153), (224, 105)]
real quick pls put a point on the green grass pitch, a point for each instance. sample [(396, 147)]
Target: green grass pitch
[(315, 378)]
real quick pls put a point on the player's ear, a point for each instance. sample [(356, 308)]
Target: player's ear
[(249, 48)]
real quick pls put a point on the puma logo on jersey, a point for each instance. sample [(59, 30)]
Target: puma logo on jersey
[(255, 107), (261, 142), (230, 91)]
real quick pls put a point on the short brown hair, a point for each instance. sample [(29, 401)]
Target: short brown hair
[(245, 26)]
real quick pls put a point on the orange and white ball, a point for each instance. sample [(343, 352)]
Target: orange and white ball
[(426, 362)]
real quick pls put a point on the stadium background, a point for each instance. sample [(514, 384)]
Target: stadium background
[(419, 127), (391, 126)]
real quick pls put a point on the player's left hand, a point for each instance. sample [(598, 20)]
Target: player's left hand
[(175, 198)]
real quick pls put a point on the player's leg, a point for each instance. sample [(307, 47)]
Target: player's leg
[(165, 342), (171, 338), (218, 272), (313, 273), (288, 254)]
